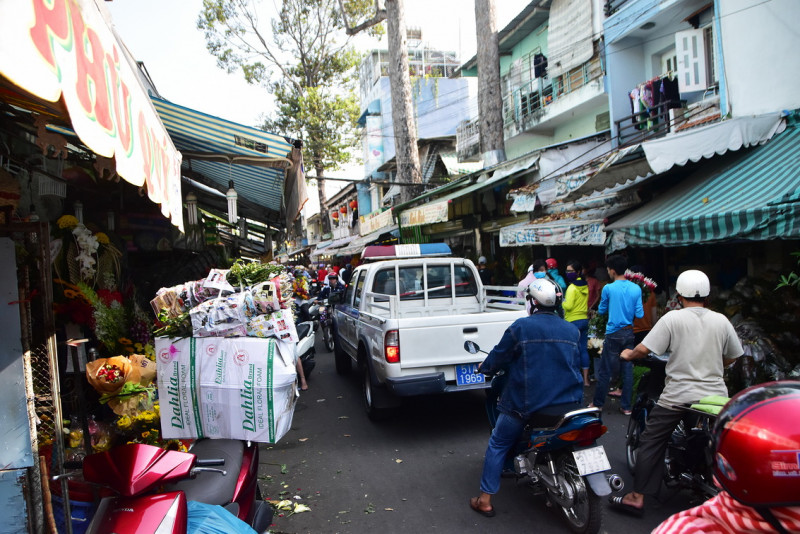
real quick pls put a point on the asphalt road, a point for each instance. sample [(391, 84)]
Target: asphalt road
[(414, 472)]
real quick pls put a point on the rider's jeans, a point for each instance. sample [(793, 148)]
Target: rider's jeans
[(504, 437), (611, 365)]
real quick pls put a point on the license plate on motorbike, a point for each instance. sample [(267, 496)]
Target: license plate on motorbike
[(467, 374), (591, 460)]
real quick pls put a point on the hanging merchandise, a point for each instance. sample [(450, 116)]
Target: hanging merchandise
[(353, 204), (343, 210)]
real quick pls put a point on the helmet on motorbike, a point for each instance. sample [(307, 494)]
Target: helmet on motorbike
[(544, 292), (693, 284), (757, 442)]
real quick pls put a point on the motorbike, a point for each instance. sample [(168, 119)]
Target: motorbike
[(559, 456), (690, 453), (304, 349), (152, 486), (326, 324)]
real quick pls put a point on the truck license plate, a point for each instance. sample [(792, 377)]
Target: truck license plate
[(467, 374), (591, 460)]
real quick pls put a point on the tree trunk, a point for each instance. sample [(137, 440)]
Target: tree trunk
[(324, 214), (405, 129), (490, 100)]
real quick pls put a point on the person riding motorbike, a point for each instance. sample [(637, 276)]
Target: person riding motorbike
[(333, 286), (757, 470), (701, 344), (540, 358)]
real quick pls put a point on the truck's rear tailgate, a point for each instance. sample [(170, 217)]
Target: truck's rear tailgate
[(436, 344)]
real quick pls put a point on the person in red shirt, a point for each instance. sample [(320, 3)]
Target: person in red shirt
[(757, 465), (322, 273)]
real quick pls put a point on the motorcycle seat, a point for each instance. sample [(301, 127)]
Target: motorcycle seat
[(550, 416), (302, 329), (209, 487)]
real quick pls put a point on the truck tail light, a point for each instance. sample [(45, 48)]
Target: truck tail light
[(391, 346)]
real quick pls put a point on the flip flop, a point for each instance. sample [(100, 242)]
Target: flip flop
[(615, 393), (473, 503), (617, 504)]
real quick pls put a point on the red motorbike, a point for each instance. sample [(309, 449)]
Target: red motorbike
[(153, 485)]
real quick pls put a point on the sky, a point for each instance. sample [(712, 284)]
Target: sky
[(164, 35)]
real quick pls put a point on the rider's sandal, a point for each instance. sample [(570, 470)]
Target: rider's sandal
[(473, 503), (617, 504)]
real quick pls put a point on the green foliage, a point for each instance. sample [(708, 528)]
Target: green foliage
[(304, 58), (248, 273), (792, 279)]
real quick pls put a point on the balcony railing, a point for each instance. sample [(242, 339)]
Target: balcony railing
[(665, 118), (534, 96)]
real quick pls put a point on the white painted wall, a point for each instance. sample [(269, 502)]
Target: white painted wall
[(760, 48)]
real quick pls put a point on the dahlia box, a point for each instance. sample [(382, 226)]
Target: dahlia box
[(238, 388)]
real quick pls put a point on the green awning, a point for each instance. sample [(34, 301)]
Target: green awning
[(756, 196)]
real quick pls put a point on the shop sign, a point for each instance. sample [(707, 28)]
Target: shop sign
[(65, 48), (564, 233), (427, 214), (372, 222)]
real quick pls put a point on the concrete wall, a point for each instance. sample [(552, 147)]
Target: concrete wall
[(760, 50)]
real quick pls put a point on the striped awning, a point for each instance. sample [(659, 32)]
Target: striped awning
[(221, 151), (752, 195)]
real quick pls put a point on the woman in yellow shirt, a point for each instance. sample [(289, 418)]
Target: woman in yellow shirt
[(576, 310)]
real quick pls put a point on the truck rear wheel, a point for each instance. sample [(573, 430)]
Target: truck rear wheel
[(341, 358), (370, 395)]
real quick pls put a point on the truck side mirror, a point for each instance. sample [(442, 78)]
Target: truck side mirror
[(336, 297)]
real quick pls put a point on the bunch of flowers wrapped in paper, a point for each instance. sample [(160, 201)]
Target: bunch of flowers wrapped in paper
[(225, 355), (648, 285)]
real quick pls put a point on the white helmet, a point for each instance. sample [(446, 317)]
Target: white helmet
[(544, 292), (693, 284), (530, 268), (481, 260)]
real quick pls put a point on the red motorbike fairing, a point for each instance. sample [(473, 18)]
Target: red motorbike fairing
[(164, 513), (247, 481), (136, 468)]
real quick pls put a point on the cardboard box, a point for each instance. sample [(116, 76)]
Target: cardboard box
[(237, 388)]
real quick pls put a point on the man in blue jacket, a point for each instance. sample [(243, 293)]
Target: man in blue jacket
[(540, 357)]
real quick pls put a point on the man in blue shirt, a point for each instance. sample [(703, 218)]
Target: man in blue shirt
[(540, 357), (622, 301)]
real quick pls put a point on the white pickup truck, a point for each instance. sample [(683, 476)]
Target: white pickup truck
[(404, 322)]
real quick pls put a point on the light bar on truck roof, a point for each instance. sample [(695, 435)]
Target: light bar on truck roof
[(394, 252)]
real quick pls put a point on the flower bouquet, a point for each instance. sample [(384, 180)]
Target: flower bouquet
[(648, 285)]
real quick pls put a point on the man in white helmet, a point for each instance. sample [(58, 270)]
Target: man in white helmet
[(539, 355), (701, 344)]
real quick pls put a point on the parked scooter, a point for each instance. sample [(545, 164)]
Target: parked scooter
[(326, 324), (690, 453), (304, 348), (559, 454), (153, 485)]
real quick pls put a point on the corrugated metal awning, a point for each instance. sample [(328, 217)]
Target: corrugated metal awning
[(755, 197), (221, 151)]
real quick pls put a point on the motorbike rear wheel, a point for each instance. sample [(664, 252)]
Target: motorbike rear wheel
[(632, 438), (586, 512), (327, 337)]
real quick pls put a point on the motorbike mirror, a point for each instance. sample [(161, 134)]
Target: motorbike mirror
[(471, 347)]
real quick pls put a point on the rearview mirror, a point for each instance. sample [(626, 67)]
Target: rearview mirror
[(471, 347)]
